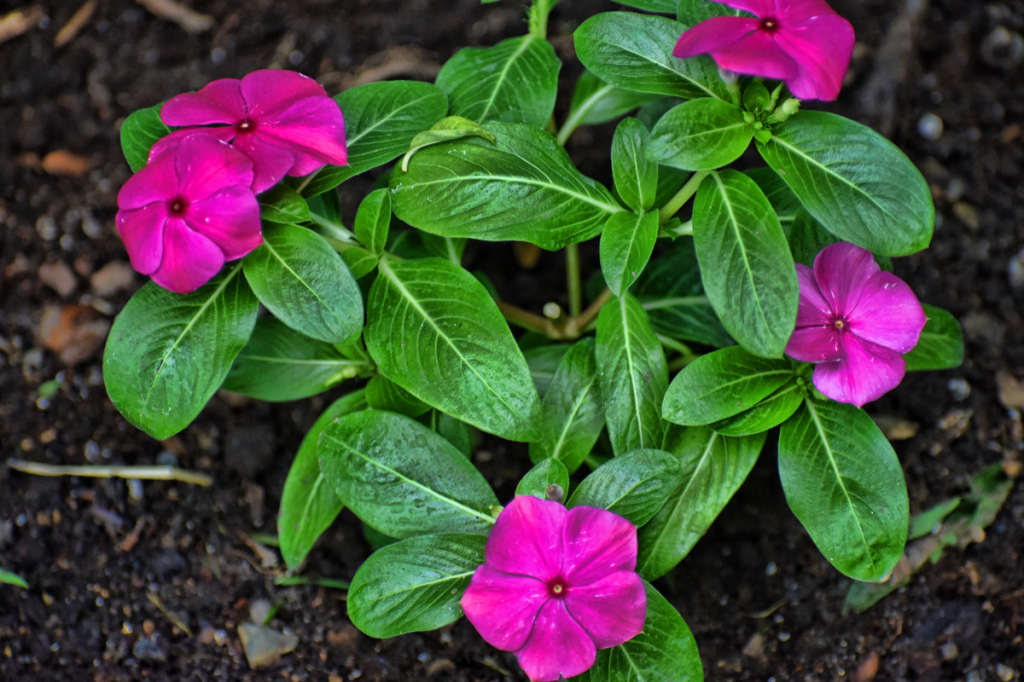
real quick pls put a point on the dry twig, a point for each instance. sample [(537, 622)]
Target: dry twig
[(182, 15), (76, 23), (145, 473), (13, 24)]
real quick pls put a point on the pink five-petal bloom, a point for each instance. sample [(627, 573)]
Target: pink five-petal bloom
[(558, 585), (188, 211), (802, 42), (282, 120), (856, 322)]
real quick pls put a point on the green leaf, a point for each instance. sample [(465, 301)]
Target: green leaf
[(450, 248), (547, 472), (843, 481), (282, 204), (280, 364), (543, 361), (381, 120), (693, 12), (446, 130), (634, 52), (664, 652), (305, 284), (525, 188), (384, 394), (635, 485), (757, 99), (626, 245), (767, 414), (373, 220), (414, 585), (573, 416), (516, 81), (435, 331), (633, 375), (8, 578), (167, 353), (941, 345), (702, 134), (402, 478), (722, 384), (713, 468), (858, 185), (807, 238), (595, 102), (670, 181), (664, 6), (779, 195), (636, 178), (139, 133), (308, 503), (359, 261), (671, 292), (458, 433), (747, 269)]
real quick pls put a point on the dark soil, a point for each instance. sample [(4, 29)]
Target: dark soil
[(95, 555)]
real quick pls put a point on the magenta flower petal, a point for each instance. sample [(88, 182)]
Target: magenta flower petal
[(164, 143), (761, 8), (527, 538), (802, 42), (206, 166), (611, 610), (557, 647), (157, 182), (219, 102), (142, 231), (714, 34), (888, 314), (841, 271), (270, 91), (270, 162), (230, 218), (595, 543), (189, 261), (865, 373), (314, 130), (503, 607), (814, 310), (825, 45), (815, 344), (758, 55)]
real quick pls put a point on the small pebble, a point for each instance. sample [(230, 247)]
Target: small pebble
[(930, 127), (783, 636), (148, 650), (264, 646), (959, 388), (1005, 672), (1015, 271), (1003, 49), (166, 458), (771, 569), (949, 651)]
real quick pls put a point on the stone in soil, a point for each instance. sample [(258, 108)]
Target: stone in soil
[(264, 646)]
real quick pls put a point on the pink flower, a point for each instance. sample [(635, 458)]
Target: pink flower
[(558, 585), (282, 120), (856, 321), (802, 42), (188, 211)]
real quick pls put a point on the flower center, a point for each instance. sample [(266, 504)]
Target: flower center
[(769, 24), (557, 588), (840, 323), (176, 207), (245, 126)]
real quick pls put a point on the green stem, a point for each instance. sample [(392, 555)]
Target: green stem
[(573, 122), (539, 12), (680, 230), (305, 182), (688, 355), (529, 321), (681, 197), (332, 230), (572, 273)]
